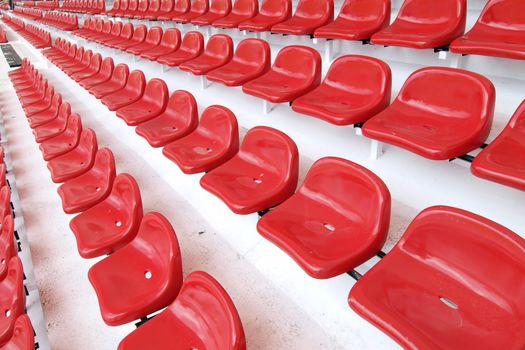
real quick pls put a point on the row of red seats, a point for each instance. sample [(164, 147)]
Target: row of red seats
[(111, 222), (37, 37), (498, 31), (46, 4), (3, 35), (60, 20), (16, 331), (436, 137), (28, 12), (327, 234), (84, 6)]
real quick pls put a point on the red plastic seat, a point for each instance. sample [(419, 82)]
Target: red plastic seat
[(37, 119), (357, 20), (192, 46), (35, 105), (116, 29), (63, 142), (139, 35), (431, 290), (113, 10), (212, 143), (503, 160), (151, 104), (218, 52), (198, 8), (131, 92), (75, 162), (242, 10), (202, 316), (124, 4), (440, 113), (55, 126), (424, 24), (170, 7), (22, 337), (12, 298), (252, 59), (499, 31), (169, 43), (262, 175), (178, 119), (112, 223), (218, 9), (131, 10), (70, 62), (90, 188), (143, 276), (5, 198), (79, 66), (337, 220), (153, 10), (106, 30), (118, 80), (7, 244), (271, 13), (355, 89), (295, 71), (153, 39), (103, 75), (309, 15), (142, 9), (125, 35), (91, 70)]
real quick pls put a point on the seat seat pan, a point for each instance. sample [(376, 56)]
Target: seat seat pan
[(207, 19), (235, 73), (154, 53), (57, 146), (202, 64), (296, 26), (346, 30), (49, 130), (118, 99), (276, 87), (176, 58), (260, 23), (413, 36), (69, 165), (230, 21), (138, 112), (162, 130)]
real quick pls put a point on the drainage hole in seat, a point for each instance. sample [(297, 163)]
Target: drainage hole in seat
[(329, 227), (7, 313), (449, 303), (257, 181), (2, 262), (118, 223), (147, 275), (97, 189)]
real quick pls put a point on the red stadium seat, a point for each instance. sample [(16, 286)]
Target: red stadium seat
[(139, 35), (124, 4), (499, 31), (197, 9), (12, 298), (296, 71), (192, 46), (23, 335), (131, 10), (309, 15), (141, 277), (355, 89), (503, 160), (148, 106), (7, 244), (55, 126), (431, 290), (252, 59), (202, 315), (83, 192), (242, 10), (116, 29), (106, 30), (92, 69), (357, 20), (422, 24), (5, 200), (103, 75), (111, 223), (36, 103), (337, 220), (153, 10), (142, 9), (131, 92), (79, 66), (118, 80), (178, 119), (116, 6), (70, 62), (218, 52), (37, 119), (271, 13), (63, 142), (77, 161), (262, 175), (153, 39), (218, 9), (440, 113), (125, 34), (212, 143), (169, 43), (167, 8)]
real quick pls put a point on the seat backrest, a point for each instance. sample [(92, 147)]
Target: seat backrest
[(166, 5), (124, 4), (127, 31), (126, 193), (88, 142), (5, 202), (139, 35), (219, 123), (245, 7), (214, 318), (116, 5), (299, 62), (98, 25), (199, 6), (447, 13), (253, 52), (106, 28), (156, 91), (95, 62), (143, 6), (104, 167), (219, 46), (220, 6), (136, 83), (154, 35), (132, 6), (86, 58), (101, 5), (315, 9), (80, 54), (171, 38), (106, 67), (120, 74), (73, 127), (7, 244), (276, 8), (56, 102), (518, 119), (72, 50), (193, 42), (116, 29), (504, 14), (182, 107), (273, 150), (154, 6)]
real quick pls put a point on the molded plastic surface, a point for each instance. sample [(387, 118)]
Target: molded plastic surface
[(202, 317), (212, 143), (503, 160), (63, 142), (440, 113), (218, 52), (337, 220), (103, 75), (191, 46), (7, 244), (262, 175), (169, 43), (55, 126), (22, 337), (355, 89), (431, 290), (141, 277), (424, 24), (152, 40), (12, 298), (309, 15), (270, 13), (242, 10), (198, 8), (112, 223), (131, 92), (118, 80), (218, 9), (296, 70)]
